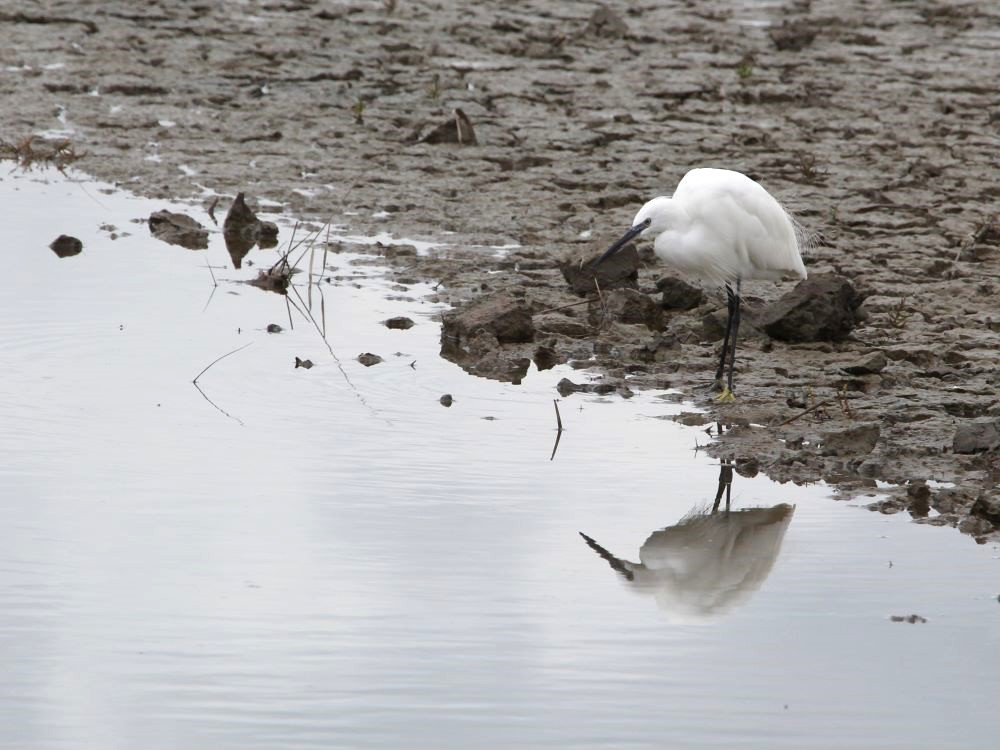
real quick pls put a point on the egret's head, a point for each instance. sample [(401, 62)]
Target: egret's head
[(656, 215), (653, 218)]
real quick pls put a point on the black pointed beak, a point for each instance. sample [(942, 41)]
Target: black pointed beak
[(626, 238)]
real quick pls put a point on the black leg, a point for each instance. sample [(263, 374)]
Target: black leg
[(736, 330), (725, 485), (730, 304)]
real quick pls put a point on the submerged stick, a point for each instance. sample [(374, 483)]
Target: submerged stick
[(559, 429), (214, 361), (205, 395)]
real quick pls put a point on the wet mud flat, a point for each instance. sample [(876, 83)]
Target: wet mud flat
[(546, 126)]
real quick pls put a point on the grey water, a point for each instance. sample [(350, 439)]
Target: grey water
[(330, 558)]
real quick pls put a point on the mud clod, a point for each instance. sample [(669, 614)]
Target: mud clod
[(854, 441), (457, 129), (605, 22), (793, 36), (401, 323), (242, 230), (820, 308), (870, 365), (912, 619), (274, 279), (987, 508), (368, 359), (977, 437), (620, 270), (679, 294), (66, 246), (628, 306), (178, 229), (305, 364), (446, 400), (502, 316)]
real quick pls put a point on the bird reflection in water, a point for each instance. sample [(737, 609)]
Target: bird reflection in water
[(711, 561)]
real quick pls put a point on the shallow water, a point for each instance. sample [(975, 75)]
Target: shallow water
[(343, 562)]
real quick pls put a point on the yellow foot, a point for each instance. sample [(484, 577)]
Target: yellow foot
[(726, 397)]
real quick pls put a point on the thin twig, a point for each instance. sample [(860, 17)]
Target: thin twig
[(209, 300), (312, 253), (205, 395), (209, 267), (227, 354), (571, 304), (604, 308), (357, 393), (284, 256), (803, 413)]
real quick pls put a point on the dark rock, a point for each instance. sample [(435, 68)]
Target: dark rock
[(918, 497), (563, 325), (691, 418), (456, 129), (912, 619), (497, 366), (274, 280), (628, 306), (792, 36), (606, 23), (274, 328), (446, 400), (304, 363), (987, 508), (545, 358), (873, 363), (855, 441), (982, 244), (919, 356), (178, 229), (368, 359), (401, 322), (268, 235), (65, 246), (678, 294), (240, 230), (975, 437), (974, 526), (474, 336), (620, 270), (506, 319), (662, 347), (820, 308), (567, 387)]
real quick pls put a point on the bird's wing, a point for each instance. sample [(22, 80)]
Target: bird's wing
[(739, 215)]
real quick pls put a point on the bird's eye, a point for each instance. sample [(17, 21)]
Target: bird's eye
[(647, 221)]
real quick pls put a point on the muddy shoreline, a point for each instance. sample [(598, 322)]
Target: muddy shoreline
[(874, 123)]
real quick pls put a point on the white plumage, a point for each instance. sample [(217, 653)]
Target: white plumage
[(720, 226), (708, 563)]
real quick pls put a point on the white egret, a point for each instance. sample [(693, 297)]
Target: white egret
[(722, 227), (709, 562)]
